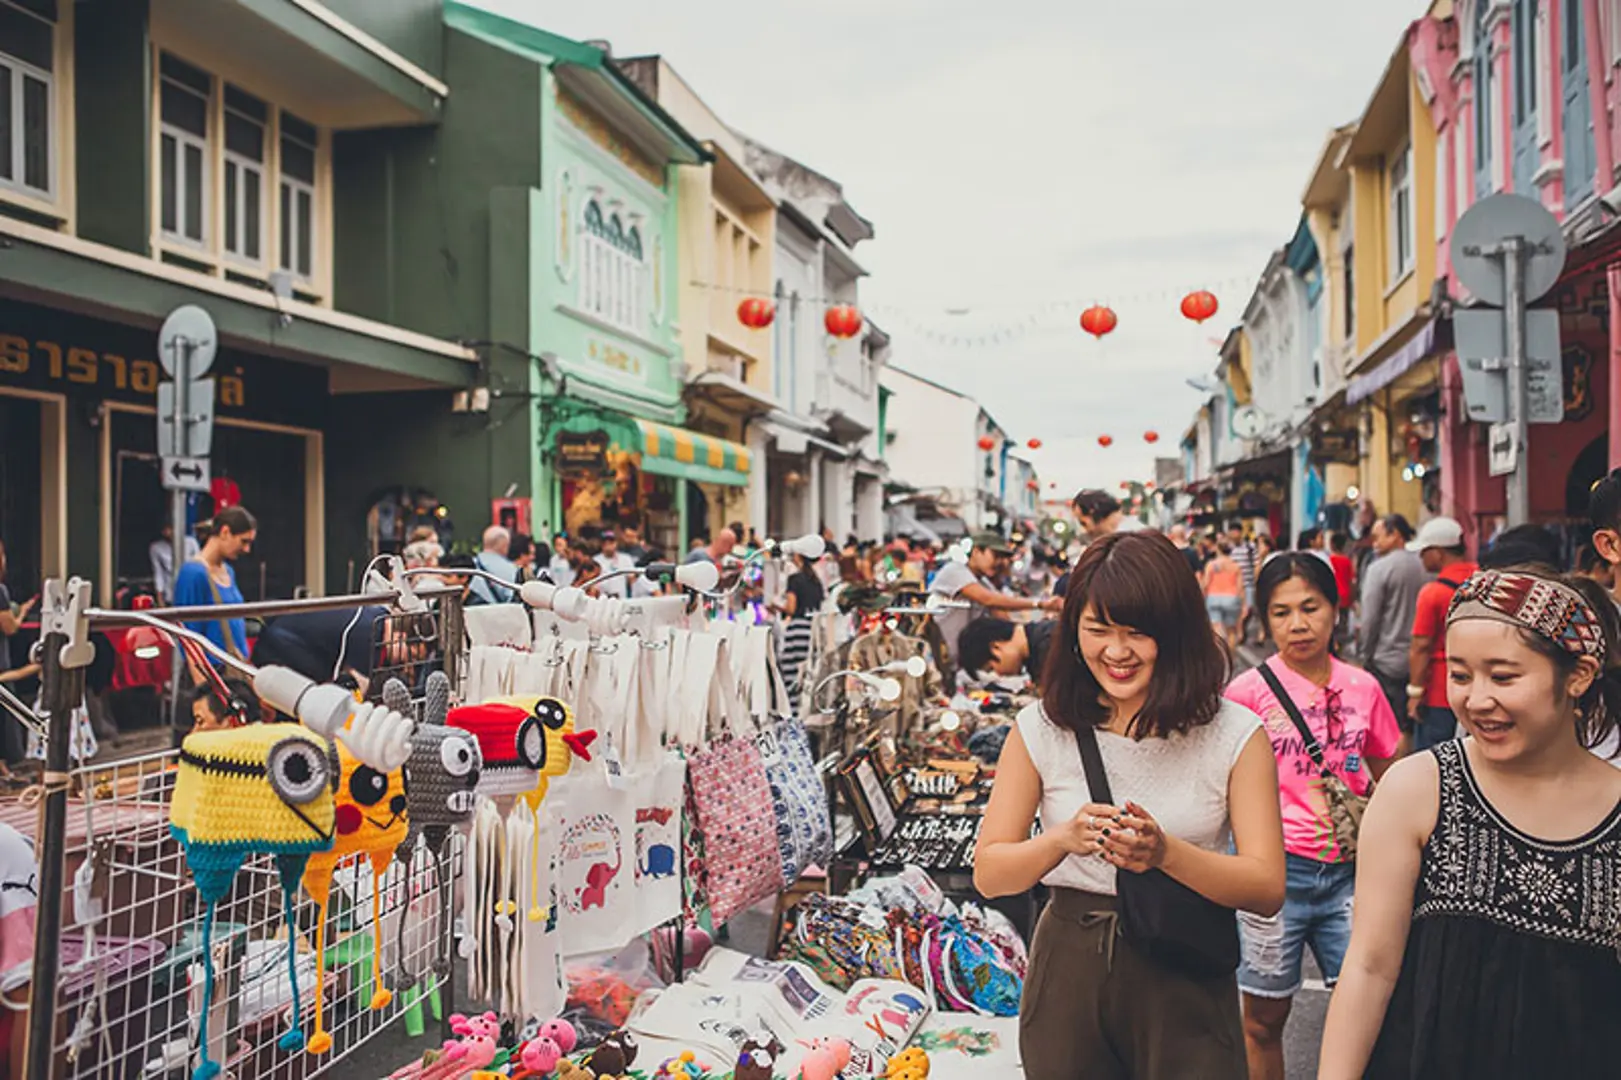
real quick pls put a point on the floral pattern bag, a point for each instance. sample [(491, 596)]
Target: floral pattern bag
[(732, 801)]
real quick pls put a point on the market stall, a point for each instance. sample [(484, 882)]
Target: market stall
[(531, 830)]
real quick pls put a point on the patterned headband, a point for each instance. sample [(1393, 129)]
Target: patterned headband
[(1544, 606)]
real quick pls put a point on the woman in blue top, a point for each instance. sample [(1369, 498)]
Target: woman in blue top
[(209, 579)]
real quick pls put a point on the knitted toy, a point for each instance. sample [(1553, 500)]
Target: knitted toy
[(258, 789), (910, 1064), (520, 736), (614, 1054), (757, 1060), (370, 817)]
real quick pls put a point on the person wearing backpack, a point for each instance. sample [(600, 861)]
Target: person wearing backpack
[(1334, 734), (1159, 819)]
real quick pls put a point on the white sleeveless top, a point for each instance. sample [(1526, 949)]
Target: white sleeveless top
[(1182, 781)]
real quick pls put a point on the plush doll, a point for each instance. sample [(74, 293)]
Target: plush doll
[(910, 1064), (444, 767), (758, 1059), (370, 817), (258, 789), (614, 1055)]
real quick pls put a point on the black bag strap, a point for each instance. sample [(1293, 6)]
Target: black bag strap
[(1313, 747), (1097, 781)]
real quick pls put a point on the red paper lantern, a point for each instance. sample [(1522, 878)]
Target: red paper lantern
[(1199, 305), (1149, 486), (756, 313), (1034, 444), (1125, 485), (1052, 485), (225, 493), (986, 443), (1034, 485), (1098, 320), (1150, 437), (843, 321), (1105, 441)]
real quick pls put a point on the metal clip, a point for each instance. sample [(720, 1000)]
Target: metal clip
[(63, 612)]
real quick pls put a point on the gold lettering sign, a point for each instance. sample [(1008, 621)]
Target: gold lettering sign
[(48, 362)]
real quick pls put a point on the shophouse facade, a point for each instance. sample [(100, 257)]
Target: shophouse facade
[(943, 479), (178, 152)]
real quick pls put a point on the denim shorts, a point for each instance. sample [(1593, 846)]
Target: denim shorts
[(1316, 912), (1223, 609)]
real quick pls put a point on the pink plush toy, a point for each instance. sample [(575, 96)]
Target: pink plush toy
[(820, 1064), (562, 1033), (541, 1055)]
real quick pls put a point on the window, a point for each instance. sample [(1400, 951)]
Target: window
[(245, 120), (1612, 19), (184, 153), (298, 148), (1401, 214), (27, 96), (1526, 58), (237, 177), (1439, 180), (613, 271)]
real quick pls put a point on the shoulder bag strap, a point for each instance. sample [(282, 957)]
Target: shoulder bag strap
[(226, 637), (1312, 746), (1097, 781)]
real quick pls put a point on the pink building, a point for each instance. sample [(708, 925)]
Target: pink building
[(1514, 88)]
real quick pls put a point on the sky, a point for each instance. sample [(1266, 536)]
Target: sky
[(1025, 159)]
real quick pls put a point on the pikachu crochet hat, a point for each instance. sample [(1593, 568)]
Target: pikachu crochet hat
[(258, 789), (369, 816)]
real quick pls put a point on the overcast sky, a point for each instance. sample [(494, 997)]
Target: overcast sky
[(1026, 158)]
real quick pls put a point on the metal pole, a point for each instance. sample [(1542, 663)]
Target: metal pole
[(1519, 481), (62, 689), (177, 511)]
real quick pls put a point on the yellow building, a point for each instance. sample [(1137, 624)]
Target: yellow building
[(1329, 216), (1383, 236), (727, 238)]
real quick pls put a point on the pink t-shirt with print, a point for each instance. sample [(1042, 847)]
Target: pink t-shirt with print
[(1352, 721)]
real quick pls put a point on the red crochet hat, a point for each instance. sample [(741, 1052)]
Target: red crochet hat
[(513, 739)]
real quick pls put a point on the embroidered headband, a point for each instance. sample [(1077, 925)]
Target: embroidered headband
[(1541, 605)]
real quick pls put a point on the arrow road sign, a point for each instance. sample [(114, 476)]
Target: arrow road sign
[(185, 473)]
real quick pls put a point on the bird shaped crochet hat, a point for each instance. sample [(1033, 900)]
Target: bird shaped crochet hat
[(370, 817), (259, 789)]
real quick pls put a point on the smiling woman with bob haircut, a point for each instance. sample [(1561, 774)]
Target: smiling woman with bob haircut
[(1193, 799)]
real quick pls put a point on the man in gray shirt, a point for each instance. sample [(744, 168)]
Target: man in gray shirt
[(1389, 598)]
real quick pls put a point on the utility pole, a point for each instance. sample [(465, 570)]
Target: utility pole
[(1512, 252)]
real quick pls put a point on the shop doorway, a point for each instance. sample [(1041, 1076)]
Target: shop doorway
[(269, 467), (21, 495)]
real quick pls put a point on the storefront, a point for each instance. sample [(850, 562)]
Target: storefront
[(613, 470), (79, 481), (1399, 402)]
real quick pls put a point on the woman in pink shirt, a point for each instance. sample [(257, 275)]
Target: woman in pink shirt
[(1355, 730)]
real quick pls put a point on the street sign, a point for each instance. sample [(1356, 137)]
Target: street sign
[(185, 473), (187, 326), (1479, 233), (193, 439), (1502, 455), (1481, 337)]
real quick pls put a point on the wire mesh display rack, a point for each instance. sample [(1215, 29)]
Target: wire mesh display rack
[(129, 986)]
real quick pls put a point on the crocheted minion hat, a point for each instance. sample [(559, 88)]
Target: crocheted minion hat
[(443, 770), (370, 816), (258, 789)]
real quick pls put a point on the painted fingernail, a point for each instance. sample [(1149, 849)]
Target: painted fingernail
[(1105, 832)]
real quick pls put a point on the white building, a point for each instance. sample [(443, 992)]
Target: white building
[(822, 456), (934, 435)]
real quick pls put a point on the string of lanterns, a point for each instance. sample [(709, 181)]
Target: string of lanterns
[(758, 310)]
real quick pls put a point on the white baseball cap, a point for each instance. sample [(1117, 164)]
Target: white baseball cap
[(1438, 532)]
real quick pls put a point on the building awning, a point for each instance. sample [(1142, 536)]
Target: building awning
[(665, 449), (1394, 366), (732, 393), (673, 451)]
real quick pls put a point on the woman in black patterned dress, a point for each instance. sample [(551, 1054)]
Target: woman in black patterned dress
[(1487, 934)]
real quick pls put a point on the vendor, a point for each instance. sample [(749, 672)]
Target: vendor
[(1007, 648)]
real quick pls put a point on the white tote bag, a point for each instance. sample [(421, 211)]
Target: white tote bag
[(596, 854), (659, 794)]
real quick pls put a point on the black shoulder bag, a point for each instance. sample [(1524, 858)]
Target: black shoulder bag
[(1160, 917)]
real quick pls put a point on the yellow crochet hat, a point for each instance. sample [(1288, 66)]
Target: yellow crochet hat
[(370, 817), (258, 789)]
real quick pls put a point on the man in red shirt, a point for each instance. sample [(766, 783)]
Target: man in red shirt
[(1440, 544)]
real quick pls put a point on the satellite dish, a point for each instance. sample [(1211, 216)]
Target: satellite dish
[(1487, 224), (187, 323)]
